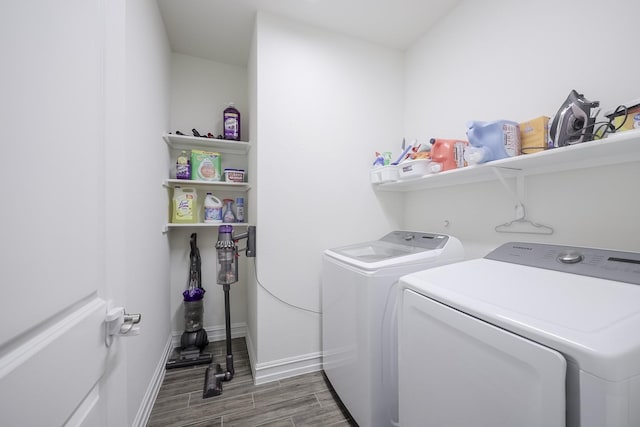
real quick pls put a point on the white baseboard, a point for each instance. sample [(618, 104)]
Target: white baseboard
[(252, 354), (144, 411), (288, 367)]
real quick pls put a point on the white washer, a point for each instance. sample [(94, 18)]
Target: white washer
[(359, 329), (530, 335)]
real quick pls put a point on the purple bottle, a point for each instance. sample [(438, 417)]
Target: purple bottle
[(231, 122), (183, 166)]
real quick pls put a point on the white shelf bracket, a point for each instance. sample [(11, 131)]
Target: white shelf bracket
[(520, 224), (518, 196)]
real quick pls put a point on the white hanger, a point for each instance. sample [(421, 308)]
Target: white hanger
[(521, 224)]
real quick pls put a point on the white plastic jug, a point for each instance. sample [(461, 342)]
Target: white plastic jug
[(492, 141), (212, 209)]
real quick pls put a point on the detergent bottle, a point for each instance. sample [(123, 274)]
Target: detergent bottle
[(492, 141), (231, 122), (447, 154), (183, 166), (184, 205), (212, 209)]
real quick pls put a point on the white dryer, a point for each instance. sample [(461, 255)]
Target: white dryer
[(530, 335), (359, 323)]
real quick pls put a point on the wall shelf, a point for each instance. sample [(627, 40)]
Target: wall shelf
[(616, 149), (221, 185), (185, 142), (170, 226)]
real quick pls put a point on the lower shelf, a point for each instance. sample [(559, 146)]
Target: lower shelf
[(170, 226)]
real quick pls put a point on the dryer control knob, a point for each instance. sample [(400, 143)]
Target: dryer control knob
[(571, 257)]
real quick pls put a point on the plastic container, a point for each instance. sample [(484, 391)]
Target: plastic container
[(193, 315), (240, 209), (414, 168), (234, 175), (227, 214), (231, 121), (183, 166), (382, 174), (492, 141), (184, 205), (212, 209), (447, 154)]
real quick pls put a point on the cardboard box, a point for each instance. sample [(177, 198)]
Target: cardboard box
[(534, 135)]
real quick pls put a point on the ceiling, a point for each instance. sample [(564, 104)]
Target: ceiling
[(221, 30)]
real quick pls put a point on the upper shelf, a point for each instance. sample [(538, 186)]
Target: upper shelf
[(617, 148), (185, 142)]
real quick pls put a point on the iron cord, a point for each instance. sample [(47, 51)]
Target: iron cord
[(255, 270), (607, 127)]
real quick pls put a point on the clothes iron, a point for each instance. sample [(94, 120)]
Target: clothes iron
[(573, 123)]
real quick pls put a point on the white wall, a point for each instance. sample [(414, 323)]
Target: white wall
[(143, 202), (200, 91), (325, 103), (512, 60), (252, 287)]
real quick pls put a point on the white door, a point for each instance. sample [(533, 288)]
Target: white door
[(458, 371), (52, 223)]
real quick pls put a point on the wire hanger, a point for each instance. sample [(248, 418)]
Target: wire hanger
[(521, 224)]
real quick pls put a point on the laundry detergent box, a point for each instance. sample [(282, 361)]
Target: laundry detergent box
[(205, 166), (534, 135)]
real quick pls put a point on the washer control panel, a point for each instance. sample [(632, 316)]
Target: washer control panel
[(600, 263), (417, 239)]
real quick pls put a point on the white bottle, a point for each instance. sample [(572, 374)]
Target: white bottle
[(212, 209)]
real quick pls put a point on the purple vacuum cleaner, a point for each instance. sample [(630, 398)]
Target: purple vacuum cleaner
[(194, 338)]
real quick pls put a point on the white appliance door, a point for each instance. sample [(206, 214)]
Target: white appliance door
[(458, 371), (53, 356)]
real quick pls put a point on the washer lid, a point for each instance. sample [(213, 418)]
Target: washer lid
[(592, 321), (396, 248)]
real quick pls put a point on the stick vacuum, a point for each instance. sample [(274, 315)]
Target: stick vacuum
[(227, 275)]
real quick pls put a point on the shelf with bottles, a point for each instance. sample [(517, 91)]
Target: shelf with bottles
[(186, 142), (618, 148), (230, 156), (227, 198)]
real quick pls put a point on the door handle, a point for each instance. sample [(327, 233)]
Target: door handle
[(119, 322)]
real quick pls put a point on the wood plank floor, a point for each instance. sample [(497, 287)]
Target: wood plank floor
[(305, 400)]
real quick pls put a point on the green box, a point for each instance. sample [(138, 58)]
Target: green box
[(205, 166)]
